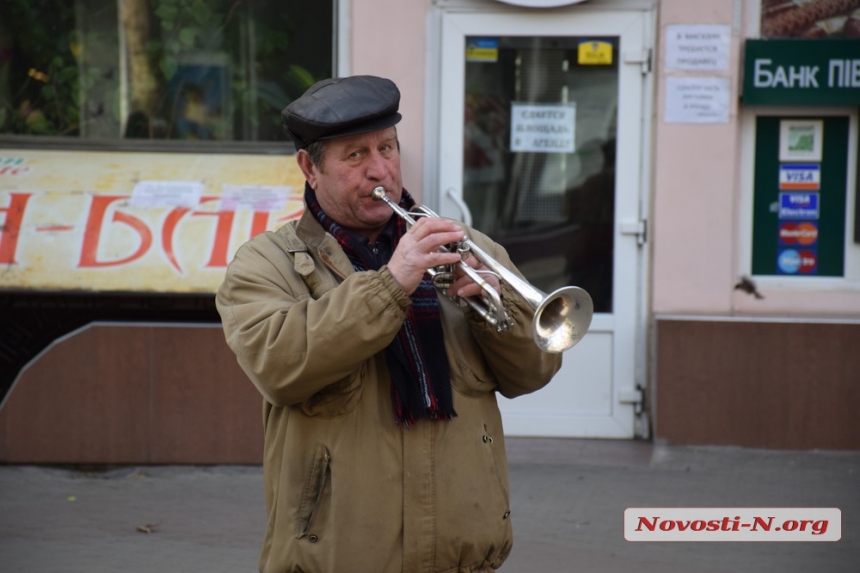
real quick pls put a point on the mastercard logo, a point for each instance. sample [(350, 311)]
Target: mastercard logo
[(798, 233)]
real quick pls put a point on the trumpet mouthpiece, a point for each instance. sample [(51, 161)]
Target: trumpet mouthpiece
[(378, 193)]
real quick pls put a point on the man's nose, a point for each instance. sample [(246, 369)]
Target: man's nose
[(377, 167)]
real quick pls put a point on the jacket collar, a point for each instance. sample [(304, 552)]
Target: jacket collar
[(309, 230), (311, 233)]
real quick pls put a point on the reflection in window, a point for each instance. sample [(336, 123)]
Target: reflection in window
[(159, 69)]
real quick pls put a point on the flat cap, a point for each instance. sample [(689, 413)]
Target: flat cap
[(342, 106)]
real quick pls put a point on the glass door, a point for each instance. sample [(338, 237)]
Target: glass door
[(537, 111), (539, 155)]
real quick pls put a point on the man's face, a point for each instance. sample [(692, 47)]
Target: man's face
[(351, 168)]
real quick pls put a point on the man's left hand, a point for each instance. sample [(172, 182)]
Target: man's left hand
[(465, 287)]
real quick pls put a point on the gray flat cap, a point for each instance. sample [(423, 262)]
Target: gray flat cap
[(342, 106)]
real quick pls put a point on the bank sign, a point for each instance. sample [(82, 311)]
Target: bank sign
[(802, 72)]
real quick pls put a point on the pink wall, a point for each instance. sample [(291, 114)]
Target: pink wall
[(695, 193), (388, 39)]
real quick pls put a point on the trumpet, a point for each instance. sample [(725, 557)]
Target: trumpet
[(559, 319)]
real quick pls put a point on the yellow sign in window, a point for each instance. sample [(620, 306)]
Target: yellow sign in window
[(594, 53), (482, 50)]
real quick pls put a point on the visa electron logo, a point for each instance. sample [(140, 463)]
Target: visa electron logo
[(798, 206)]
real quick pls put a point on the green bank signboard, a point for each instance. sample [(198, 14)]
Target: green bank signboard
[(802, 72)]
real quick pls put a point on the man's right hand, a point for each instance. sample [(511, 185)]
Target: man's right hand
[(419, 250)]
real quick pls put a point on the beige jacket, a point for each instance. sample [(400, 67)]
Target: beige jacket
[(346, 488)]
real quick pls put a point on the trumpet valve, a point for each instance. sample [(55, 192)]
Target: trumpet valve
[(463, 250), (443, 279)]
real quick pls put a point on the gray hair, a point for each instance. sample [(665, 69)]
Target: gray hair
[(316, 151)]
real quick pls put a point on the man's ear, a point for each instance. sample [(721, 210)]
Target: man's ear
[(307, 167)]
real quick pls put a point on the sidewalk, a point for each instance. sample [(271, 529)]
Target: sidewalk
[(568, 499)]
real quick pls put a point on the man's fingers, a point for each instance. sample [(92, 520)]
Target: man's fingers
[(437, 241), (464, 286), (431, 234), (431, 225), (420, 250)]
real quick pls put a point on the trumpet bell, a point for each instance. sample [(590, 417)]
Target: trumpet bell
[(562, 319)]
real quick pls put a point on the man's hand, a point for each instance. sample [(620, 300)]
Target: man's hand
[(465, 287), (419, 250)]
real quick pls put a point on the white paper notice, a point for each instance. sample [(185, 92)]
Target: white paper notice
[(548, 128), (697, 100), (166, 194), (698, 47), (267, 198)]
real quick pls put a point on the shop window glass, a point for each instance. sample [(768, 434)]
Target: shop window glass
[(204, 70), (810, 19)]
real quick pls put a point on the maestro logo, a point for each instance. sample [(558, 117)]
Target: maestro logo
[(797, 261), (805, 233)]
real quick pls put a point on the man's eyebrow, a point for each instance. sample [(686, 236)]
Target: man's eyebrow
[(347, 149)]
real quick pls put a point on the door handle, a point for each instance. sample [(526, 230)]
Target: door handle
[(465, 212)]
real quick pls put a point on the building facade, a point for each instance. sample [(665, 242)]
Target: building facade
[(692, 165)]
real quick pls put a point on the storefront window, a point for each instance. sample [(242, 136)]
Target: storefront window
[(205, 70), (810, 19)]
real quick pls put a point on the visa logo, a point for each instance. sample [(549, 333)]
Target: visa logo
[(799, 177), (800, 200)]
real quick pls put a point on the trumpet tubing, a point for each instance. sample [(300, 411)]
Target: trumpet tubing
[(559, 319)]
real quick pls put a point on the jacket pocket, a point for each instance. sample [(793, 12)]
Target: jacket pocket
[(312, 493), (472, 379), (337, 399)]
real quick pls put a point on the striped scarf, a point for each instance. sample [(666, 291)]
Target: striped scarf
[(416, 358)]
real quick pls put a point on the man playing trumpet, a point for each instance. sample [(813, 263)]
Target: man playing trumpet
[(384, 449)]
